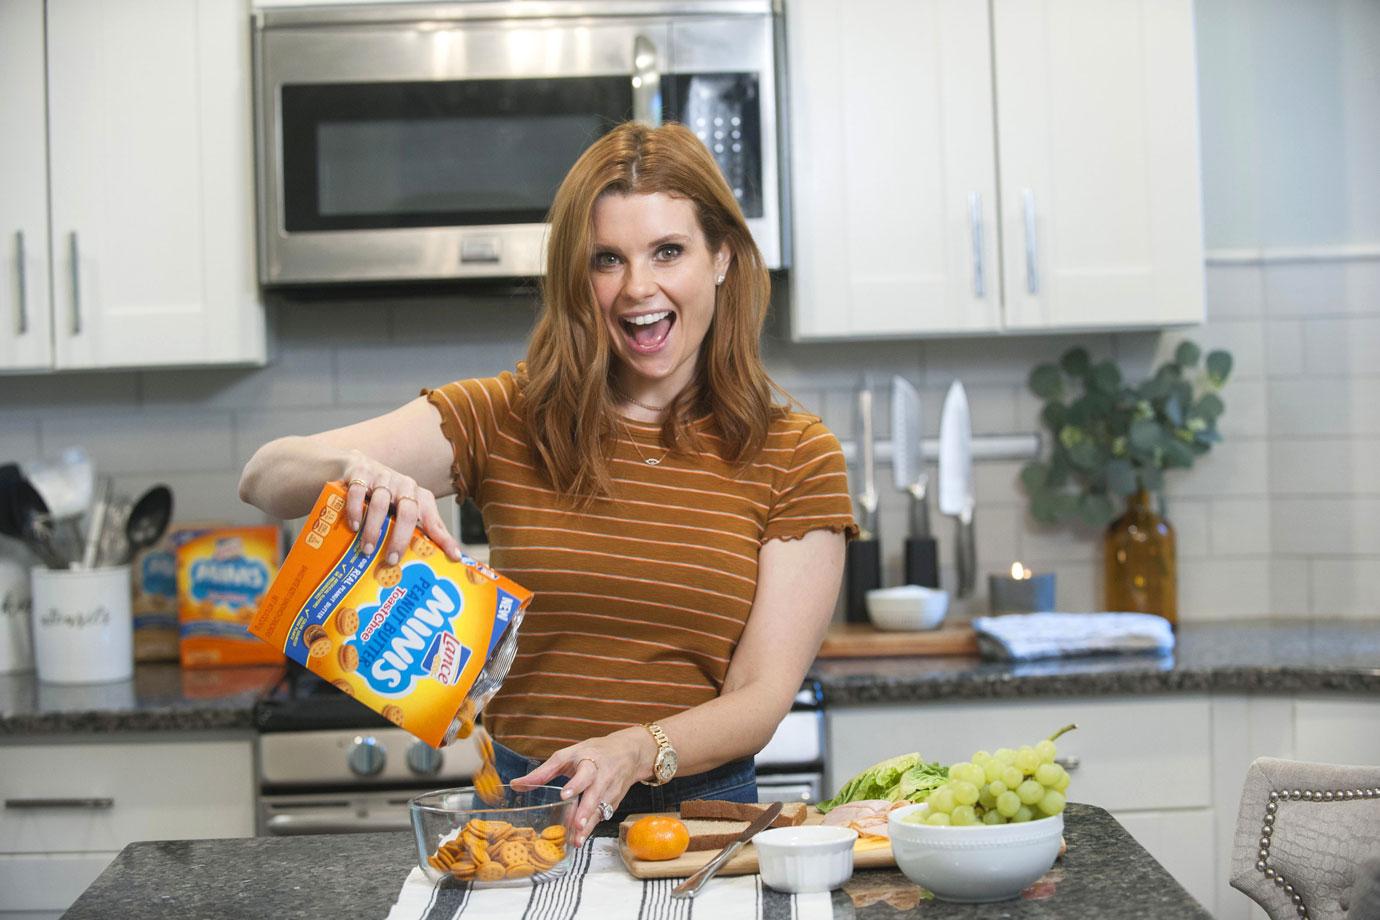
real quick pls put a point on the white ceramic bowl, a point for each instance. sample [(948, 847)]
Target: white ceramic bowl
[(907, 608), (974, 863), (805, 859)]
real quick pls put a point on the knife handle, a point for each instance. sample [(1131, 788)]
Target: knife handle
[(862, 573), (922, 562), (967, 555), (919, 516)]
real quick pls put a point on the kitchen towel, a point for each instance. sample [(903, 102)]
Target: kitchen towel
[(598, 887), (1027, 636)]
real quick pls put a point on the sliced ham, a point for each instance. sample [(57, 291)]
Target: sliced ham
[(868, 817)]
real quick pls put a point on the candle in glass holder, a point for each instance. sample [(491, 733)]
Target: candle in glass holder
[(1022, 591)]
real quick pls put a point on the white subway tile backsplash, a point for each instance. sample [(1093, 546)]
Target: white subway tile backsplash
[(212, 496), (1325, 526), (1346, 588), (254, 429), (129, 441), (1333, 406), (1283, 347), (78, 392), (1232, 468), (1223, 589), (1325, 466), (1342, 347), (1248, 412), (390, 375), (1191, 520), (298, 377), (1003, 360), (1240, 527), (1314, 289), (18, 437), (1235, 291), (1290, 588)]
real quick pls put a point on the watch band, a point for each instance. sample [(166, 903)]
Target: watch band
[(663, 751)]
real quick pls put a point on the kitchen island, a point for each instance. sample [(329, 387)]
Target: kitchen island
[(1104, 874)]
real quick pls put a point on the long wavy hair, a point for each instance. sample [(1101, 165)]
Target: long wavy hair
[(568, 384)]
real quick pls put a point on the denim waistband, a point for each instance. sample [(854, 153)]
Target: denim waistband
[(735, 781)]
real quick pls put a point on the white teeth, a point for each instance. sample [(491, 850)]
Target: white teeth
[(647, 319)]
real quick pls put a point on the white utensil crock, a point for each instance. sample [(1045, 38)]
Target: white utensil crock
[(16, 646), (82, 624)]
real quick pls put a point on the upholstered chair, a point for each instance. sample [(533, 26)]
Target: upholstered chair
[(1308, 840)]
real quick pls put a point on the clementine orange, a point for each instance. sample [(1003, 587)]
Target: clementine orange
[(657, 837)]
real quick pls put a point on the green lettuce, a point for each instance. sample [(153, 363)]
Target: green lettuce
[(906, 777)]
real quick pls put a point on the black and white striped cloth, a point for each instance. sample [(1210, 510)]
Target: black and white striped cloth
[(598, 887)]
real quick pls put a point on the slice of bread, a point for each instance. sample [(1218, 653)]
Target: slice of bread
[(792, 813), (711, 834)]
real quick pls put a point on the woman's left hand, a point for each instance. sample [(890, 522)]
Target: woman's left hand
[(601, 770)]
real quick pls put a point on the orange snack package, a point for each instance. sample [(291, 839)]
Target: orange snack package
[(413, 641), (222, 575)]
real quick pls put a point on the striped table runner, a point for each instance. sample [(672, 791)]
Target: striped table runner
[(598, 887)]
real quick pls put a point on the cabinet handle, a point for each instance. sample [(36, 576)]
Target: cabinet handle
[(1032, 274), (22, 320), (646, 82), (1069, 763), (76, 282), (975, 223), (95, 803)]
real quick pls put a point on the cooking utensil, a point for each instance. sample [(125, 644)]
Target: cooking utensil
[(148, 520), (96, 522), (956, 481), (692, 885), (921, 555), (863, 562)]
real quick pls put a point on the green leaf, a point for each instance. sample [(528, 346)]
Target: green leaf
[(1145, 434), (1151, 478), (1177, 453), (1218, 367), (1058, 470), (1085, 456), (1042, 507), (1173, 410), (1075, 361), (1046, 382), (1187, 354), (1208, 435), (1065, 506), (1121, 477), (1054, 415), (1096, 509), (1034, 476), (1209, 407), (1106, 378)]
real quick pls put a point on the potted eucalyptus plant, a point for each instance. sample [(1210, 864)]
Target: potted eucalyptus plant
[(1111, 443)]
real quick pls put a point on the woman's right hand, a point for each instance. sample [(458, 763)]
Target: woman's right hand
[(371, 488)]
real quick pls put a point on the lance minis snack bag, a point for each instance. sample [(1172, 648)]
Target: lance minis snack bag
[(154, 589), (425, 642), (222, 575)]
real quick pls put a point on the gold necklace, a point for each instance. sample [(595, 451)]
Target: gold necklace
[(650, 461), (641, 405)]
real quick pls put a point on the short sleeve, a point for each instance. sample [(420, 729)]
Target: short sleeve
[(472, 414), (813, 490)]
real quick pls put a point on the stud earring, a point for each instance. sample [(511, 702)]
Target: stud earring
[(719, 280)]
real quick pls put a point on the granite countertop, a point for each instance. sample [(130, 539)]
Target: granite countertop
[(1104, 873), (1269, 656), (161, 697)]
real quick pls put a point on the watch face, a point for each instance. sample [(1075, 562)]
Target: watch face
[(666, 765)]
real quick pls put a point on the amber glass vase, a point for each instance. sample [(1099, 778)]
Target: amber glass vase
[(1141, 571)]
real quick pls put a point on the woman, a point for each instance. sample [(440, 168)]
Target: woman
[(683, 535)]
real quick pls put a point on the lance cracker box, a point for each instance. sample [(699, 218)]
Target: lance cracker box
[(222, 575), (418, 641), (153, 586)]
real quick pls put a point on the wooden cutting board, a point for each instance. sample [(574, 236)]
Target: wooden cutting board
[(862, 640), (865, 856)]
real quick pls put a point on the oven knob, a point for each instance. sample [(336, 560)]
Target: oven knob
[(423, 759), (367, 756)]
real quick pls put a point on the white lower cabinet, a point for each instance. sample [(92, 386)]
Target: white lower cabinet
[(69, 808), (1170, 768)]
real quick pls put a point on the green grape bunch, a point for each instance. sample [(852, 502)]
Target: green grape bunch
[(1008, 786)]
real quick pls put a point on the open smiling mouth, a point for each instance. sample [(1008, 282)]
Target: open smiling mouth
[(647, 333)]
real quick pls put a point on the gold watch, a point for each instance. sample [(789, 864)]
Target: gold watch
[(665, 765)]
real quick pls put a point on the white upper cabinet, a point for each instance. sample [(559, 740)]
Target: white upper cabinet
[(955, 172), (150, 184), (25, 331)]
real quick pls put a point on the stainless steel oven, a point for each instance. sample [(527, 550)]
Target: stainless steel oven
[(406, 141)]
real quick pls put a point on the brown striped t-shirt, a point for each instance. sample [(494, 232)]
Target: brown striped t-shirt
[(639, 600)]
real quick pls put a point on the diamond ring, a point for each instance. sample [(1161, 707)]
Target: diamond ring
[(605, 811)]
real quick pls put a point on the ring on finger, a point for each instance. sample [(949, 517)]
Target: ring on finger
[(359, 482), (605, 810), (405, 498), (373, 489), (589, 760)]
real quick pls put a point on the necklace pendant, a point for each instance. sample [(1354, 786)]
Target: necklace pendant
[(652, 461)]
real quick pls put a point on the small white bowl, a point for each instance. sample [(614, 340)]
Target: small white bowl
[(907, 608), (974, 863), (805, 859)]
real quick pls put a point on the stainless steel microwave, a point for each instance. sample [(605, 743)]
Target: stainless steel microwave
[(404, 141)]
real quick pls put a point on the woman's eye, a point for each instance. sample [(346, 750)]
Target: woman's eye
[(670, 251), (605, 260)]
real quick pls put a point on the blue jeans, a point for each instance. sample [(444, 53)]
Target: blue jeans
[(735, 781)]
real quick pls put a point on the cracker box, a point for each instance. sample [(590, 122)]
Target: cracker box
[(415, 641), (222, 575), (153, 585)]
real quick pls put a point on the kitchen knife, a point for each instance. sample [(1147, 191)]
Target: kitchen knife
[(863, 562), (921, 555), (689, 887), (956, 481)]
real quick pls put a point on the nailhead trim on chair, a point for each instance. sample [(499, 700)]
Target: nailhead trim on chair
[(1267, 829)]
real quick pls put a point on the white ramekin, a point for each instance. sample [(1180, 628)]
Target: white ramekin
[(805, 859)]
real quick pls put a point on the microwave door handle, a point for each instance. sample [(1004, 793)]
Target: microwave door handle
[(646, 82)]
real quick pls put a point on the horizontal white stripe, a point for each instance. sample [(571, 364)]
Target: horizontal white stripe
[(562, 675), (651, 623), (592, 699), (492, 481), (609, 575), (606, 638), (658, 563), (604, 598), (697, 547), (620, 520), (659, 662)]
